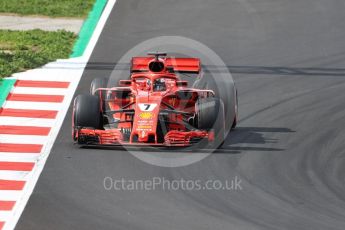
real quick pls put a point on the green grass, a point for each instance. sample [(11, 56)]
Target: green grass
[(51, 8), (22, 50)]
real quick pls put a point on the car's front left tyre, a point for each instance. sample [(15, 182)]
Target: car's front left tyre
[(86, 114)]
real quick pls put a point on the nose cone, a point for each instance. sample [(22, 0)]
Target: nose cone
[(145, 119)]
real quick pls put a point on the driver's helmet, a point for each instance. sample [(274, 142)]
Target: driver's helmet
[(159, 85)]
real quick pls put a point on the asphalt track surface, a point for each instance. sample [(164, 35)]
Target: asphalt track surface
[(287, 59)]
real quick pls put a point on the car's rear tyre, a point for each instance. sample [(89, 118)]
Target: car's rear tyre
[(98, 83), (210, 116), (234, 123), (86, 113)]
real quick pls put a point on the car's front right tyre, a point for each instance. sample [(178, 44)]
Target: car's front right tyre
[(210, 117)]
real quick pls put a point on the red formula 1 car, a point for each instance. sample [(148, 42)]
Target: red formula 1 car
[(154, 107)]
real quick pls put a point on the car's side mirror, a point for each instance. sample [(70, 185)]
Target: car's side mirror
[(125, 82), (182, 83)]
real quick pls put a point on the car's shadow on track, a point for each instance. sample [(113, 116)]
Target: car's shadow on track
[(162, 149), (241, 139)]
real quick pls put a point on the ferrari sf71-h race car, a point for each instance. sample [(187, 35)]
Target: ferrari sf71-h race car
[(155, 107)]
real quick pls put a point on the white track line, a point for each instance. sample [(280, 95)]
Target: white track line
[(26, 121), (32, 105), (42, 91), (23, 139), (91, 46)]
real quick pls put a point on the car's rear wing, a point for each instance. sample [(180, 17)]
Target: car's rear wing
[(188, 65)]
